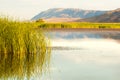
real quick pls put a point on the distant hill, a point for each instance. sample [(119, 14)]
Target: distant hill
[(67, 13), (61, 19), (111, 16)]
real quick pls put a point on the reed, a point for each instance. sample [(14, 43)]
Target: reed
[(80, 25), (23, 50)]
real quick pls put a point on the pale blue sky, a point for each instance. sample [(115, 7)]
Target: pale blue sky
[(26, 9)]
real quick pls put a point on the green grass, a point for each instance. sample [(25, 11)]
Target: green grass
[(80, 25), (23, 49)]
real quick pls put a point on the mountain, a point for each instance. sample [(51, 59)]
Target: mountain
[(67, 13), (111, 16)]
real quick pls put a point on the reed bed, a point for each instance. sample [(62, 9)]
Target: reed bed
[(81, 25), (24, 50)]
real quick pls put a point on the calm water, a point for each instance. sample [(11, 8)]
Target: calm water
[(92, 56), (75, 56)]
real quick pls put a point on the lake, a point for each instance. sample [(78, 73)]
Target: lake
[(76, 55), (85, 55)]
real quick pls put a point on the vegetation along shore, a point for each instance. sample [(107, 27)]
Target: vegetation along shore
[(22, 50)]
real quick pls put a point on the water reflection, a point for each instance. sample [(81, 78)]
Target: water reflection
[(25, 66), (80, 35), (98, 56), (19, 67)]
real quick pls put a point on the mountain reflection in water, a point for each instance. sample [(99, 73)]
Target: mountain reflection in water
[(93, 56), (81, 35)]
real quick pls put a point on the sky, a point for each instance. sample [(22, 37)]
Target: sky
[(26, 9)]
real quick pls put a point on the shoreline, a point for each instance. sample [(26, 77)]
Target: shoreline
[(80, 30)]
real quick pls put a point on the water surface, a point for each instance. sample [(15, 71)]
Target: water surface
[(92, 56)]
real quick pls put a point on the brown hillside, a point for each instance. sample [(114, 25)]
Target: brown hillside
[(111, 16)]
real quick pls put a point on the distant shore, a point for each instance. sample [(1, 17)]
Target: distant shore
[(80, 29)]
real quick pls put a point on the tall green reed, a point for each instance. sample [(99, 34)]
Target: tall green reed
[(23, 50)]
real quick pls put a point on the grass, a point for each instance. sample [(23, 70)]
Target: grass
[(80, 25), (23, 50)]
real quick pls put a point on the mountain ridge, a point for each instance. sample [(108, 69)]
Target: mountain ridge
[(67, 13), (110, 16)]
